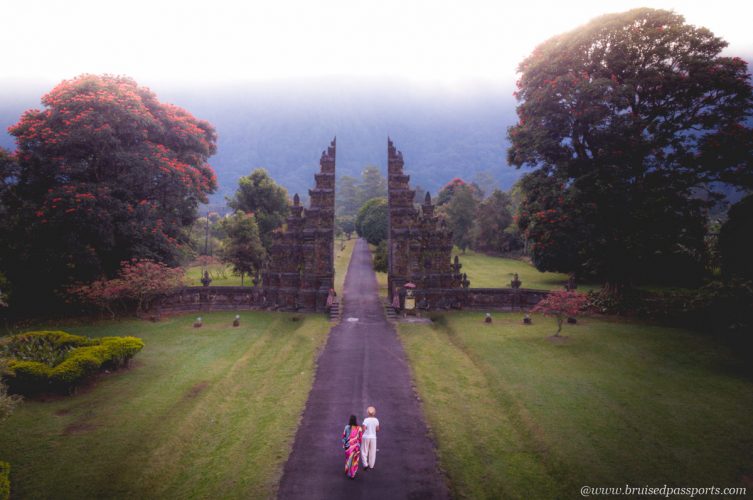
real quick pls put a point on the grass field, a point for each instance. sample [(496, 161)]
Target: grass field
[(518, 416), (203, 413), (485, 271), (221, 274)]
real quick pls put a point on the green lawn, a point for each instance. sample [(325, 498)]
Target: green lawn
[(485, 271), (515, 415), (203, 413), (221, 274)]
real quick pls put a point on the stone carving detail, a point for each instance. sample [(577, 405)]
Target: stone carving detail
[(420, 245), (301, 269)]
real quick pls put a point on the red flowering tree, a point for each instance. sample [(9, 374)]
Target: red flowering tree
[(139, 283), (105, 173), (561, 305), (456, 184)]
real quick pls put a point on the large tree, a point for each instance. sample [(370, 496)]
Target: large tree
[(348, 196), (373, 183), (460, 212), (260, 195), (494, 230), (372, 220), (448, 191), (625, 116), (104, 173), (243, 248)]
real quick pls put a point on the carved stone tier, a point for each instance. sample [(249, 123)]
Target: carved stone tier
[(301, 267), (420, 246)]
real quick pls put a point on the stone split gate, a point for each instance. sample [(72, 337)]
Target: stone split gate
[(301, 271)]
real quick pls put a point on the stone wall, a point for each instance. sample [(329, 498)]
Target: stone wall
[(211, 298), (237, 298), (482, 299)]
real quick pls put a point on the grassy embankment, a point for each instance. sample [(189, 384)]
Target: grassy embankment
[(485, 271), (496, 272), (203, 413), (518, 416)]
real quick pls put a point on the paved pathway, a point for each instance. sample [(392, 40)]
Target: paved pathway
[(362, 364)]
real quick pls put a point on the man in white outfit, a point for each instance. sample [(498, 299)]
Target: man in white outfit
[(369, 440)]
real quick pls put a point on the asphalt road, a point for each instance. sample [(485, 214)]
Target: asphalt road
[(362, 364)]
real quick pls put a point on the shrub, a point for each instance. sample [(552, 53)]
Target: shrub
[(48, 347), (82, 358), (561, 305), (139, 283), (8, 402), (4, 480), (371, 221)]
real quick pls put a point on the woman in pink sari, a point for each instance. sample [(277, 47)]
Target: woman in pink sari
[(352, 443)]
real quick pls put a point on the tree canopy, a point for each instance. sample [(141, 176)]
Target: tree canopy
[(372, 220), (494, 230), (260, 195), (622, 119), (460, 212), (102, 174), (352, 194), (243, 248), (448, 190)]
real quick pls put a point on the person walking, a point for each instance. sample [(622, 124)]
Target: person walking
[(369, 447), (351, 440)]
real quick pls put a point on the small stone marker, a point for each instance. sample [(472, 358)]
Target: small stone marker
[(197, 323), (237, 320)]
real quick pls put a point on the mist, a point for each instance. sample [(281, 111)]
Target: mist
[(444, 131)]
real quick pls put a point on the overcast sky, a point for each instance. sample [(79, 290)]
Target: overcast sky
[(189, 41)]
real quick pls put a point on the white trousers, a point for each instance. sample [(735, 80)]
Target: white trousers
[(368, 451)]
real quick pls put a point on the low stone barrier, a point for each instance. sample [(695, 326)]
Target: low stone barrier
[(211, 298), (493, 299), (237, 298)]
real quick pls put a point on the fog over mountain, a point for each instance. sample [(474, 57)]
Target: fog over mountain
[(443, 132)]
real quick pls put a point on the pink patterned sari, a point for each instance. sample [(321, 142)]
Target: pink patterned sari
[(352, 444)]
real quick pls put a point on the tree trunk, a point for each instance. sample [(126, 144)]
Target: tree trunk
[(613, 289)]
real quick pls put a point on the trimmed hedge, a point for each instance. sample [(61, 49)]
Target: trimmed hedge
[(4, 480), (85, 357)]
